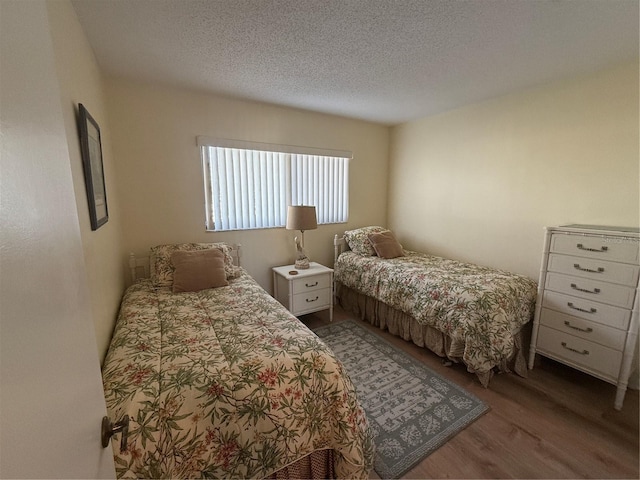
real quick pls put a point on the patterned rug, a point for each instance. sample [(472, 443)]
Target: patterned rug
[(412, 410)]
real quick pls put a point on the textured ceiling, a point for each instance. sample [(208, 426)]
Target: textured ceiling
[(385, 61)]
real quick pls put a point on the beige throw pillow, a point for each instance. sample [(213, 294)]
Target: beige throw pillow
[(386, 245), (198, 270), (162, 268)]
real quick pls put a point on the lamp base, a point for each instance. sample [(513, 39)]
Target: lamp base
[(302, 263)]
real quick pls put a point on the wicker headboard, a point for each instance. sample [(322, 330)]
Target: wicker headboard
[(339, 246), (140, 265)]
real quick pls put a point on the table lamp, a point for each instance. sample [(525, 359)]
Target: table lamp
[(301, 217)]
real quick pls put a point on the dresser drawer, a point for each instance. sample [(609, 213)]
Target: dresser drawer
[(579, 352), (595, 269), (603, 292), (315, 282), (313, 300), (615, 317), (594, 332), (602, 248)]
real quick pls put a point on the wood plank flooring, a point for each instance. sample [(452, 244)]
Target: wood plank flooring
[(558, 423)]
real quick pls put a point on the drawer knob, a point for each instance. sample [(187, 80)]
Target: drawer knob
[(309, 285), (599, 250), (590, 270), (585, 330), (591, 310), (583, 352), (575, 287), (309, 300)]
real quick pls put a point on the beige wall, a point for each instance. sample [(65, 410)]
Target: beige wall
[(51, 393), (81, 82), (154, 143), (479, 183)]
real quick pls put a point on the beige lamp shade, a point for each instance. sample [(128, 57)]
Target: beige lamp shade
[(301, 217)]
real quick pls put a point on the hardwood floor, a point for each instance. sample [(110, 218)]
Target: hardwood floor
[(558, 423)]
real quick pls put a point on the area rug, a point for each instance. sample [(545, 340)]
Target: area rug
[(412, 410)]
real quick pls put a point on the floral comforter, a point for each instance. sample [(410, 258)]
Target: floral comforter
[(226, 383), (480, 306)]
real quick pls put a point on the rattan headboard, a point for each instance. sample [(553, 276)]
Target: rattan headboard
[(339, 246)]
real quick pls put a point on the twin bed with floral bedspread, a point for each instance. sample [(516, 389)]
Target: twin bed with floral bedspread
[(224, 382), (462, 311)]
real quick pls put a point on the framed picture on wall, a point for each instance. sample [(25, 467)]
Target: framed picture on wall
[(91, 148)]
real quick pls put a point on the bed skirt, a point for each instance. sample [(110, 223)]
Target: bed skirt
[(402, 325), (317, 465)]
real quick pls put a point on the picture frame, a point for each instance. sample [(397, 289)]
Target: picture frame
[(91, 150)]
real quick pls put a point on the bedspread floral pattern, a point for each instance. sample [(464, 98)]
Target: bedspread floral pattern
[(479, 306), (225, 383)]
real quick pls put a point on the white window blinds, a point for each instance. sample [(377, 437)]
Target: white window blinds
[(248, 188)]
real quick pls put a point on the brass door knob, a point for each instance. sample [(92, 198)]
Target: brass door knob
[(109, 429)]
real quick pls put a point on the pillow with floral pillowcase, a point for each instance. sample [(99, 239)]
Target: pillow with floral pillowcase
[(162, 269), (358, 240)]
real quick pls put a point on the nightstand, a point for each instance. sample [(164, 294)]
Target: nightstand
[(306, 291)]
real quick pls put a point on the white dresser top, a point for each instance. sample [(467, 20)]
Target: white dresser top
[(575, 227)]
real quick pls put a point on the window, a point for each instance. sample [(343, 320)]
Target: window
[(249, 185)]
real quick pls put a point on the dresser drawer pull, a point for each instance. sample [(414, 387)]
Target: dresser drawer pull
[(585, 330), (583, 352), (591, 310), (600, 250), (311, 300), (575, 287), (311, 285), (590, 270)]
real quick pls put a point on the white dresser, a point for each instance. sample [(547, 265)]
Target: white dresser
[(304, 291), (587, 307)]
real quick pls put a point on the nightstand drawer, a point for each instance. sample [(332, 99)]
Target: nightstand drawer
[(315, 282), (594, 332), (314, 300), (581, 353), (595, 269), (602, 248), (615, 317), (591, 289)]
